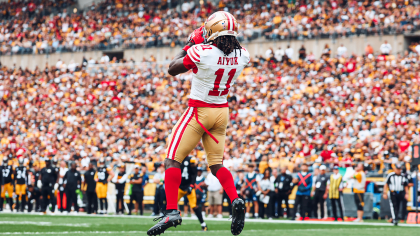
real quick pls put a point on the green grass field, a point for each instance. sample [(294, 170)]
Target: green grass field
[(24, 224)]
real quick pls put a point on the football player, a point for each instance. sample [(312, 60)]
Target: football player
[(21, 180), (187, 187), (216, 59), (103, 175), (7, 190)]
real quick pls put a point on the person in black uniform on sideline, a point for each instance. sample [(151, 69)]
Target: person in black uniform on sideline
[(119, 181), (46, 182), (90, 186), (136, 180), (397, 185), (34, 195), (187, 187), (283, 187), (320, 189), (72, 182)]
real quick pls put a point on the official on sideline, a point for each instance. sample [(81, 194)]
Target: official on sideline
[(397, 185)]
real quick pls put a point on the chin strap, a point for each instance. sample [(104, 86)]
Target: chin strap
[(202, 126)]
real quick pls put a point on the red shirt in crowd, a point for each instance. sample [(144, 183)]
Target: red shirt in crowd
[(326, 155), (404, 145)]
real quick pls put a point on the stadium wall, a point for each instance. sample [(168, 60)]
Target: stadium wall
[(87, 3), (257, 47)]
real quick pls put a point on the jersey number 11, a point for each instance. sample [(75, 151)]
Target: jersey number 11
[(219, 75)]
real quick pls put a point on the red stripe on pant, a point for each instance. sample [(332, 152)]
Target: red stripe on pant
[(180, 135), (174, 135)]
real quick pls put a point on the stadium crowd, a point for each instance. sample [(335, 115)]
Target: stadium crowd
[(47, 27), (330, 111)]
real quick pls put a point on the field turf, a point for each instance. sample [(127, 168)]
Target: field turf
[(30, 224)]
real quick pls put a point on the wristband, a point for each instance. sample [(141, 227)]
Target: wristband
[(186, 47)]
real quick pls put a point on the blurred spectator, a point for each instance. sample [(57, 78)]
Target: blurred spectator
[(215, 195), (265, 197), (283, 187), (304, 182), (137, 193), (385, 48), (302, 52), (359, 190), (289, 52), (158, 179), (368, 50), (341, 51)]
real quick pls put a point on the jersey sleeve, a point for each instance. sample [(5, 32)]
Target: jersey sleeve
[(188, 63), (195, 53), (193, 57)]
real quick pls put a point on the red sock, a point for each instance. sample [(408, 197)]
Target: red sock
[(172, 183), (226, 180)]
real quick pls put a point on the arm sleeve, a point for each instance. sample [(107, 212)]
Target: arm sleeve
[(188, 63), (124, 178), (115, 178)]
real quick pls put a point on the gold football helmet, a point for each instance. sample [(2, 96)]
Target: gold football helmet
[(220, 23)]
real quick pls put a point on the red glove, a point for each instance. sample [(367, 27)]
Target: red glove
[(196, 37)]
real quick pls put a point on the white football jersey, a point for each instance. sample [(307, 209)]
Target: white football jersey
[(215, 73)]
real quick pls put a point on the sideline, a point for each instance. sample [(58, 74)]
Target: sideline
[(177, 232), (225, 219)]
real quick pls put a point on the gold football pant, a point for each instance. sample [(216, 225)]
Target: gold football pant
[(101, 190), (192, 198), (7, 188), (187, 133), (20, 190)]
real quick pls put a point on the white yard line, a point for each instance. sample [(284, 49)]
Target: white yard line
[(42, 223), (247, 220)]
